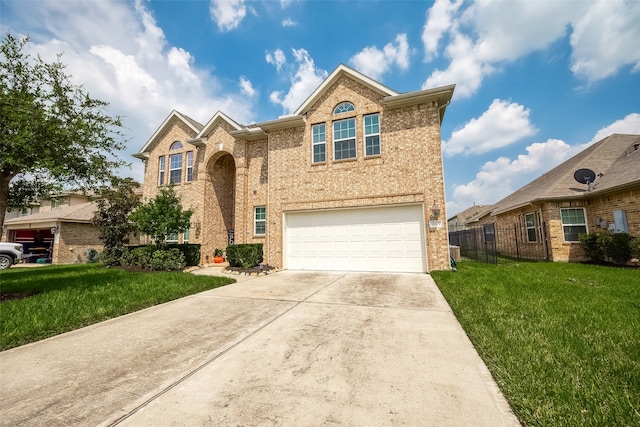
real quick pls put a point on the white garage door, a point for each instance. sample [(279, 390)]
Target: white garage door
[(365, 239)]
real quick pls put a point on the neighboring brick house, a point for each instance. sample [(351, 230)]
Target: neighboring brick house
[(551, 211), (352, 180), (59, 232)]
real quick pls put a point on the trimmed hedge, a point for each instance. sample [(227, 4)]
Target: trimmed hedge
[(246, 255), (150, 257)]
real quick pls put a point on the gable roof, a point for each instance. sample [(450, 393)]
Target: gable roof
[(174, 115), (616, 157), (333, 77), (82, 212)]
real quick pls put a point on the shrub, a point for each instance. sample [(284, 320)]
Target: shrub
[(191, 253), (618, 248), (635, 245), (112, 255), (244, 255), (139, 257), (591, 246), (170, 259), (92, 255)]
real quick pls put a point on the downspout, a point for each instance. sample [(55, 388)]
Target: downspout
[(268, 236), (443, 183)]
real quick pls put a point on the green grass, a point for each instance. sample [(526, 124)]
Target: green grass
[(68, 297), (561, 340)]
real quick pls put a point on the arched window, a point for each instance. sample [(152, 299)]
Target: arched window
[(176, 146), (344, 107)]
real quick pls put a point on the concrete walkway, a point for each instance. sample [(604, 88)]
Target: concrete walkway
[(289, 349)]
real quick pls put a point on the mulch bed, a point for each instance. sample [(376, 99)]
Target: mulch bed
[(254, 270), (10, 296)]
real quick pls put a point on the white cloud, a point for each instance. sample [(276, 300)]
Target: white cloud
[(502, 124), (134, 69), (439, 20), (375, 62), (276, 58), (246, 87), (628, 125), (304, 81), (288, 22), (605, 39), (488, 34), (227, 13), (465, 70), (499, 178)]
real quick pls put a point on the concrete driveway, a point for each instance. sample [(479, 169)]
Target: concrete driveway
[(289, 349)]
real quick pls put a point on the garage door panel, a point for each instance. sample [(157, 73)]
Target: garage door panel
[(366, 239)]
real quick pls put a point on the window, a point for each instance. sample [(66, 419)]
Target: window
[(319, 143), (344, 139), (260, 220), (372, 134), (56, 203), (171, 238), (161, 169), (530, 224), (185, 235), (189, 176), (175, 168), (573, 223), (176, 146), (344, 107)]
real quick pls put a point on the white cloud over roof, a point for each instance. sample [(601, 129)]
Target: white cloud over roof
[(375, 62), (502, 124)]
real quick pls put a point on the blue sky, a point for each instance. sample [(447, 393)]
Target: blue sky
[(536, 80)]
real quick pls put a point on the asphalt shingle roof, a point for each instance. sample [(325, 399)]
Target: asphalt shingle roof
[(617, 157)]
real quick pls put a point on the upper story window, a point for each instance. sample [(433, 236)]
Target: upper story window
[(177, 145), (189, 176), (574, 223), (344, 107), (319, 143), (161, 169), (175, 168), (344, 139), (372, 135)]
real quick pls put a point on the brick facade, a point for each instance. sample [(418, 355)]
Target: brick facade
[(270, 164), (599, 215)]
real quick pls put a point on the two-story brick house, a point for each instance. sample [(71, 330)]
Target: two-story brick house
[(352, 180)]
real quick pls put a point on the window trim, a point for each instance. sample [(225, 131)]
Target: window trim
[(564, 233), (529, 227), (162, 166), (257, 221), (344, 107), (189, 167), (366, 135), (315, 143), (340, 140), (172, 169)]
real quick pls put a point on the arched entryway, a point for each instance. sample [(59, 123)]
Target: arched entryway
[(219, 202)]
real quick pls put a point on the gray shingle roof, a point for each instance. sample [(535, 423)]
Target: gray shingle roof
[(617, 157), (82, 212)]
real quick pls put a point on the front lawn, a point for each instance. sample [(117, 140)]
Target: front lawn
[(561, 340), (68, 297)]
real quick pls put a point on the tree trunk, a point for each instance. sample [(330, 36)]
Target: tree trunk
[(5, 179)]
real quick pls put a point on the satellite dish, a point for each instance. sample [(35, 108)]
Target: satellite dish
[(584, 176)]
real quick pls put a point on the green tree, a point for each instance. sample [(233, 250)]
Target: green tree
[(162, 216), (52, 133), (115, 206)]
